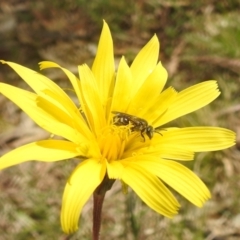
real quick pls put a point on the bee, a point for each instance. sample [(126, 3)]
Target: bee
[(139, 124)]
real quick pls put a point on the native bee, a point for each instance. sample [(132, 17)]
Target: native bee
[(139, 124)]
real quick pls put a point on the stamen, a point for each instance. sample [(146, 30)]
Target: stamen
[(112, 141)]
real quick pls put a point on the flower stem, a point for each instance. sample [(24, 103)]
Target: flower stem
[(98, 198), (97, 212)]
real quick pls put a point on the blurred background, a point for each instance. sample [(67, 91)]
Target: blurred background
[(200, 40)]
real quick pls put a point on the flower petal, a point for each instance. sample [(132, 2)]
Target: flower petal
[(123, 87), (80, 186), (114, 169), (92, 105), (46, 88), (103, 67), (189, 100), (45, 151), (89, 84), (178, 177), (144, 63), (149, 91), (38, 82), (170, 152), (159, 107), (29, 101), (156, 108), (150, 189), (69, 117), (157, 147), (73, 79), (197, 139)]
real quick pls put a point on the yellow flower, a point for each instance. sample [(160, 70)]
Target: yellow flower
[(110, 143)]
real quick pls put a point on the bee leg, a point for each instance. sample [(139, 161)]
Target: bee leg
[(143, 135), (158, 133)]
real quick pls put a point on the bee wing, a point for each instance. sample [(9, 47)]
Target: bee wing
[(133, 119), (115, 112), (157, 129), (122, 114)]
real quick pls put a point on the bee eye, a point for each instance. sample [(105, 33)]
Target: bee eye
[(149, 132)]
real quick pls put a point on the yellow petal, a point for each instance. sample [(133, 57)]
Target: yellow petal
[(45, 151), (198, 139), (28, 102), (123, 87), (114, 169), (189, 100), (160, 106), (52, 105), (89, 86), (178, 177), (149, 91), (92, 106), (103, 66), (45, 87), (144, 63), (73, 79), (38, 82), (150, 189), (170, 152), (83, 181)]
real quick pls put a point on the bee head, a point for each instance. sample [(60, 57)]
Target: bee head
[(149, 131)]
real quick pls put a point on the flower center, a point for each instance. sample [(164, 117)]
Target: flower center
[(112, 141)]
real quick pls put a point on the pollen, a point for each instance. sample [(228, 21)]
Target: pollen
[(112, 141)]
